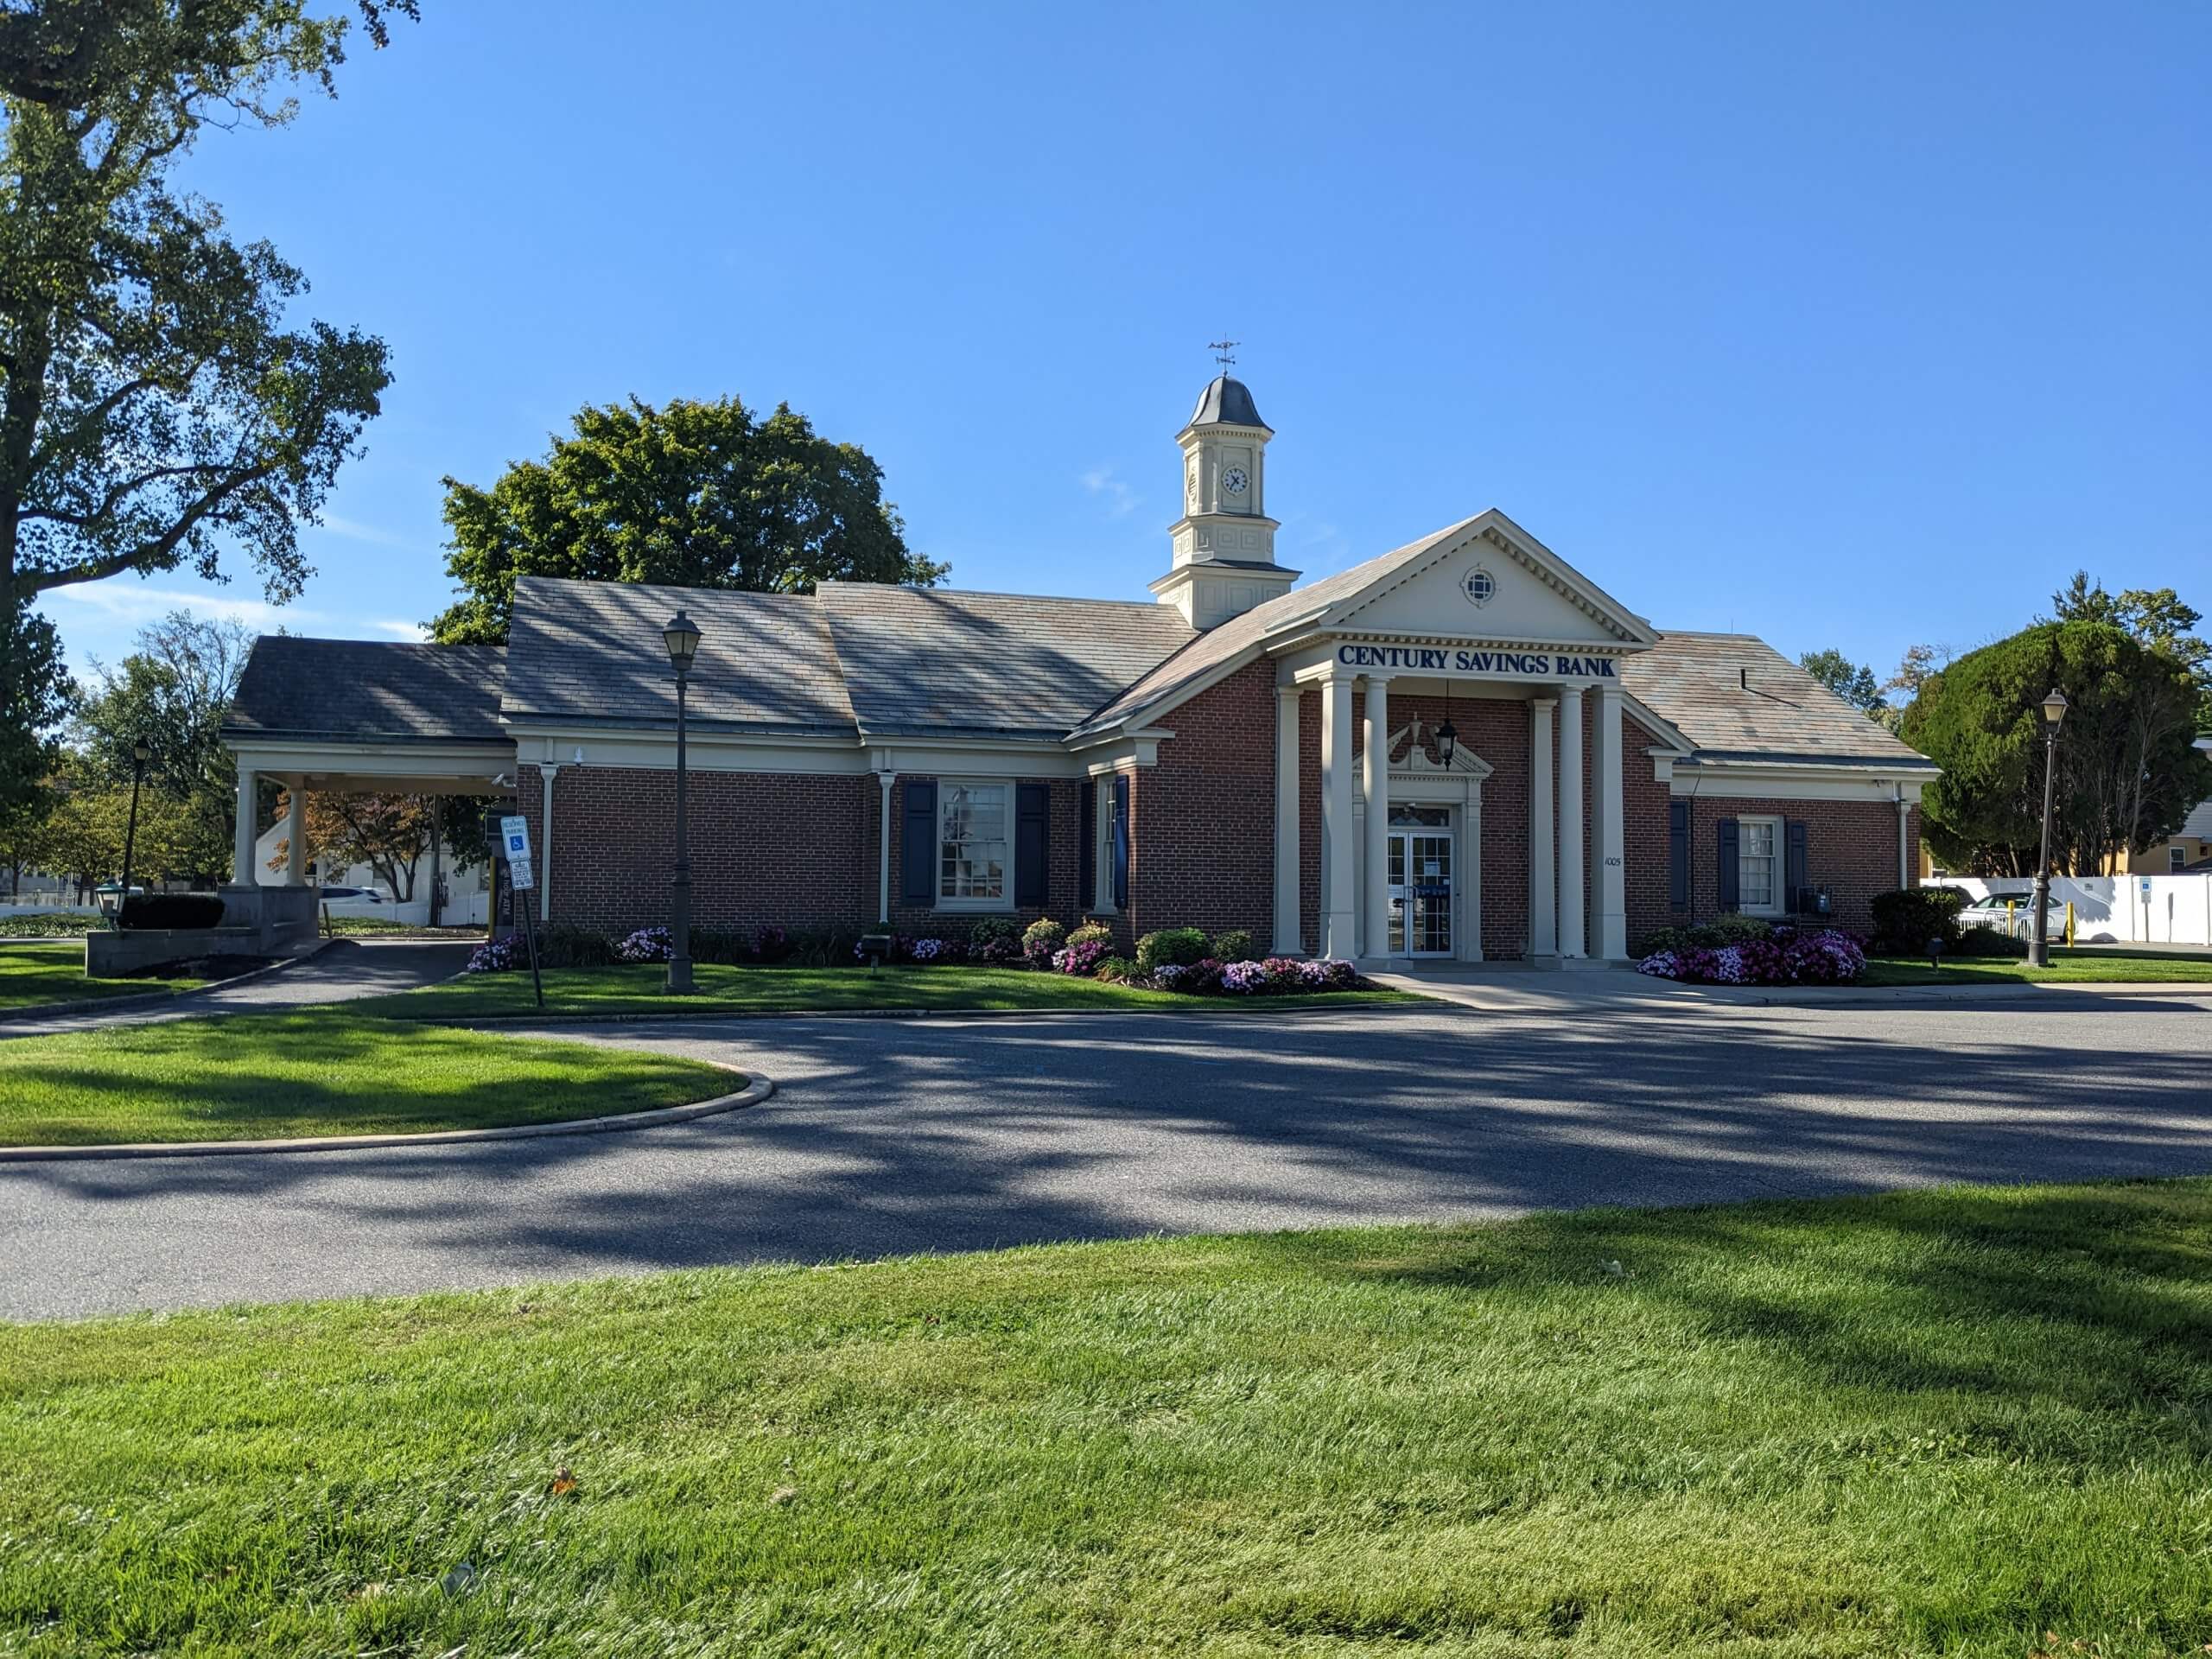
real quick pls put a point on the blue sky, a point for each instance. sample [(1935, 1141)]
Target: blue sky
[(1844, 325)]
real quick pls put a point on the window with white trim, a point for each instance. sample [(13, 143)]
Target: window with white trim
[(1101, 899), (2176, 859), (974, 840), (1758, 866)]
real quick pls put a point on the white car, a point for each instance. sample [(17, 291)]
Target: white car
[(355, 901), (2020, 918)]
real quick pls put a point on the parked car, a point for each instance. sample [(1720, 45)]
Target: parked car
[(354, 901), (2020, 919)]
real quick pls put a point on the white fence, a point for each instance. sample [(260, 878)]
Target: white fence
[(2115, 909)]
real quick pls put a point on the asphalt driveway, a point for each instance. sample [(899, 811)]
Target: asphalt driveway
[(890, 1136)]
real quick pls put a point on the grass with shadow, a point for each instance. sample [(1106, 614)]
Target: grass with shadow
[(1970, 1421), (319, 1072), (2067, 968), (32, 975), (640, 989)]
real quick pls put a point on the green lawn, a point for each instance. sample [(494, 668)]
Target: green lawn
[(1934, 1423), (639, 989), (32, 974), (2067, 967), (319, 1072)]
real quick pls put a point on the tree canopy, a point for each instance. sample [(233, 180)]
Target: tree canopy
[(157, 404), (694, 494), (2127, 770), (2152, 617), (1853, 682)]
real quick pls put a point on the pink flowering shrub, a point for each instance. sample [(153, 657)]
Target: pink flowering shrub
[(498, 957), (1082, 960), (1825, 958), (1276, 977)]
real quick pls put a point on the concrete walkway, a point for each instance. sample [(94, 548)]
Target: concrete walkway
[(341, 971), (957, 1134)]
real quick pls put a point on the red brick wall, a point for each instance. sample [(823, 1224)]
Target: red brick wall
[(1851, 847), (1202, 821), (787, 848)]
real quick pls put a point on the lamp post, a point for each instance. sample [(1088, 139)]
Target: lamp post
[(682, 635), (2054, 710), (141, 752)]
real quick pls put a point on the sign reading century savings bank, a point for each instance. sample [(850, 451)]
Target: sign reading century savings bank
[(1533, 664)]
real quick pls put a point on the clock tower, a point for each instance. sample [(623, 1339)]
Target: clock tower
[(1224, 543)]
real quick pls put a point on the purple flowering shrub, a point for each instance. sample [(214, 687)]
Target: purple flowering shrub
[(771, 944), (498, 957), (995, 938), (647, 945), (1082, 960), (928, 950), (1823, 958), (1275, 977), (1041, 941)]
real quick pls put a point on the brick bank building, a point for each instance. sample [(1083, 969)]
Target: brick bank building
[(1463, 750)]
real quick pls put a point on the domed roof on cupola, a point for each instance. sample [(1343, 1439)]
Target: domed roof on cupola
[(1228, 402)]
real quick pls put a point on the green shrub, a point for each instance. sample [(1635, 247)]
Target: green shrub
[(1734, 927), (1990, 942), (1663, 938), (563, 945), (821, 947), (1906, 919), (719, 944), (1040, 940), (1118, 969), (1091, 933), (1236, 945), (1170, 947)]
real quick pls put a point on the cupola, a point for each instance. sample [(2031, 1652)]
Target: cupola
[(1223, 545)]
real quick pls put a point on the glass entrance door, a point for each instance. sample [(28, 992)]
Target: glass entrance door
[(1420, 881)]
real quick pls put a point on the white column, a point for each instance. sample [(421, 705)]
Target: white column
[(1572, 941), (295, 832), (1289, 901), (883, 782), (1612, 862), (547, 774), (1375, 780), (1338, 900), (242, 870), (1543, 800)]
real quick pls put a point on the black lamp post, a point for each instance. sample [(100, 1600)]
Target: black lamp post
[(141, 752), (2054, 710), (682, 635), (1446, 734)]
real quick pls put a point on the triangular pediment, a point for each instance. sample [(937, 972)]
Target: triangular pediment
[(1489, 580)]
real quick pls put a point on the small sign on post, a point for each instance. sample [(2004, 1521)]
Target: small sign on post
[(514, 846)]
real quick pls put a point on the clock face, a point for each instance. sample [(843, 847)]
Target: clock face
[(1233, 480)]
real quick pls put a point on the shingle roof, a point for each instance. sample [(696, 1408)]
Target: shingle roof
[(1736, 698), (932, 660), (368, 692), (1220, 645), (591, 652)]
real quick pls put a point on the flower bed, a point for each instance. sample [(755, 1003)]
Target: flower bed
[(1826, 957), (1276, 977)]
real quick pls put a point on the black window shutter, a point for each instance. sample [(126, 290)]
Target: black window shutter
[(918, 843), (1678, 855), (1121, 841), (1731, 871), (1795, 879), (1086, 851), (1032, 843)]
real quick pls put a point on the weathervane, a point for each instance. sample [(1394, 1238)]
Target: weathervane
[(1222, 349)]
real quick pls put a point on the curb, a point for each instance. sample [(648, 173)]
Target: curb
[(757, 1090), (1195, 1005), (150, 999), (1892, 995)]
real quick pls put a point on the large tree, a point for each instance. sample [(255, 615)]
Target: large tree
[(173, 691), (1853, 682), (157, 405), (2128, 771), (2153, 617), (697, 495)]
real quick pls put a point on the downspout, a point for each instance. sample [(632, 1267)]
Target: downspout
[(883, 851), (1905, 872), (549, 772)]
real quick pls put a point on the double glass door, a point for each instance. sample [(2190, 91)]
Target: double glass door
[(1420, 881)]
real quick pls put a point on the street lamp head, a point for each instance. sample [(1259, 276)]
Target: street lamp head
[(2054, 708), (1446, 735), (682, 634), (140, 750)]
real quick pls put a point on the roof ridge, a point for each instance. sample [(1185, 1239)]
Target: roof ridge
[(1147, 604)]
